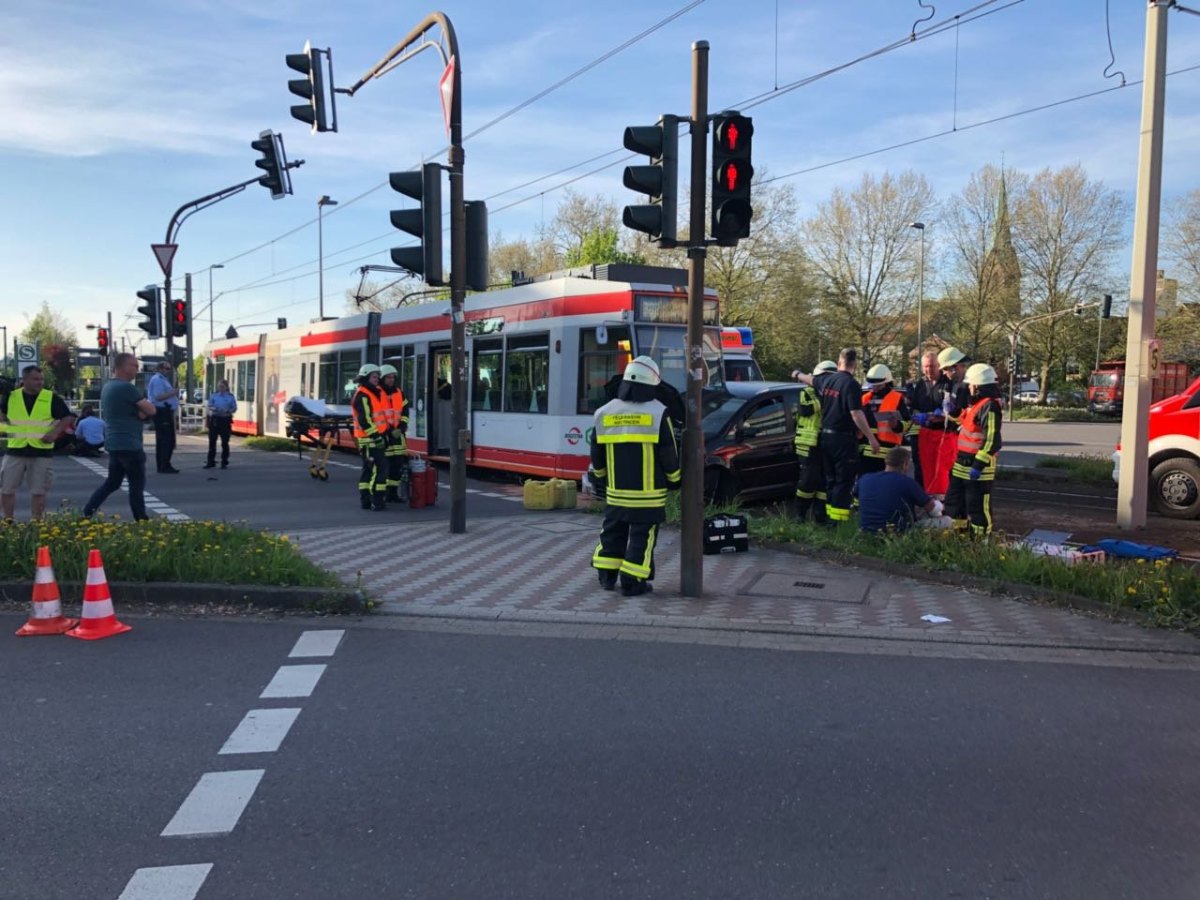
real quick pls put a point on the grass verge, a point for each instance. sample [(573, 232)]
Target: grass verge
[(1162, 593), (1081, 468), (270, 444), (157, 550), (1056, 414)]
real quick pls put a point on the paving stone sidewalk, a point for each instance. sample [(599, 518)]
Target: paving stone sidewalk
[(537, 569)]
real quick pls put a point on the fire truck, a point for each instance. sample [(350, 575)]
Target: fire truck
[(1174, 454)]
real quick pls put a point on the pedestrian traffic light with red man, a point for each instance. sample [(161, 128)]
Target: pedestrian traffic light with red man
[(102, 339), (179, 318), (732, 173)]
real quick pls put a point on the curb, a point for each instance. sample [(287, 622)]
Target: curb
[(341, 600)]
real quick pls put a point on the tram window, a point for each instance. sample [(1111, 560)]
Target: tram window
[(527, 374), (245, 380), (598, 365), (487, 374), (337, 374)]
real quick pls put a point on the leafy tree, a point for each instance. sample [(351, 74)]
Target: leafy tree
[(1181, 242), (59, 363), (521, 255), (55, 336), (1067, 228)]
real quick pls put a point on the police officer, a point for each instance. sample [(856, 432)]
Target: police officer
[(969, 499), (841, 418), (810, 480), (370, 416), (397, 447), (635, 461), (888, 414)]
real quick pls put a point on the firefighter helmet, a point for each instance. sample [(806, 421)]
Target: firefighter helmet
[(385, 370), (367, 370), (643, 370), (879, 374), (824, 367), (981, 373), (951, 356)]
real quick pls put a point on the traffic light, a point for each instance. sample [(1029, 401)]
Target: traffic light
[(478, 273), (1106, 307), (732, 173), (273, 163), (659, 179), (179, 318), (102, 340), (424, 222), (311, 87), (151, 310)]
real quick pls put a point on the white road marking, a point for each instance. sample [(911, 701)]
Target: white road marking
[(317, 643), (293, 681), (153, 504), (260, 731), (166, 883), (215, 804)]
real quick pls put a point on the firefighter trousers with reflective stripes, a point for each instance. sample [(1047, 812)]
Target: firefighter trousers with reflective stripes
[(626, 547), (969, 503), (372, 480), (839, 459), (397, 463), (810, 486)]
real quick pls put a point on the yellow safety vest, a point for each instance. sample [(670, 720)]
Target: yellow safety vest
[(808, 428), (25, 429)]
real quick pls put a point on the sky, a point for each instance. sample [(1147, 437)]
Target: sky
[(118, 114)]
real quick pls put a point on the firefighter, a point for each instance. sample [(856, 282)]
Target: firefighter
[(969, 499), (636, 461), (888, 414), (370, 436), (810, 480), (397, 447)]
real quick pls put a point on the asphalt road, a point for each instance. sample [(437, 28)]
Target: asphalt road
[(1024, 442), (437, 765)]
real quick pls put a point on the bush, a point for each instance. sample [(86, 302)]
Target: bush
[(157, 550), (1056, 414)]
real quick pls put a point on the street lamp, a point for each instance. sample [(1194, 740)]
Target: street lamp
[(920, 226), (322, 202), (210, 298)]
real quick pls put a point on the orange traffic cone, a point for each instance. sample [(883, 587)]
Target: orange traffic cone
[(46, 615), (97, 619)]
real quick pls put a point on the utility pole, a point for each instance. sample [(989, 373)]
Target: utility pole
[(1134, 478)]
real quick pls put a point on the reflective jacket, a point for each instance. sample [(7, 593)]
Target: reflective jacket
[(887, 415), (979, 439), (25, 429), (635, 455), (396, 411), (371, 413), (808, 421)]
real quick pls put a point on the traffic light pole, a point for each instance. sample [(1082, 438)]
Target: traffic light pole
[(691, 498), (461, 437)]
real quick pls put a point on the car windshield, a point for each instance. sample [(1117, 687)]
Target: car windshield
[(1103, 379)]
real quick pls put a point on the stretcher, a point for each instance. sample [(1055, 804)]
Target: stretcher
[(318, 424)]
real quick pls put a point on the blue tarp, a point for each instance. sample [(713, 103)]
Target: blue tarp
[(1131, 549)]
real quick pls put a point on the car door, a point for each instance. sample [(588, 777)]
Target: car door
[(767, 460)]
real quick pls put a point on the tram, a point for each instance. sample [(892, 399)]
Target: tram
[(541, 357)]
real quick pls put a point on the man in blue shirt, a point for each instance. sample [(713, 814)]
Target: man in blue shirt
[(89, 433), (221, 407), (123, 409), (886, 499), (165, 398)]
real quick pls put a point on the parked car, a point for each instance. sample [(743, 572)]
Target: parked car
[(1066, 398), (1028, 392), (748, 432)]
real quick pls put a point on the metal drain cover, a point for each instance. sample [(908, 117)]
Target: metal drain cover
[(802, 586)]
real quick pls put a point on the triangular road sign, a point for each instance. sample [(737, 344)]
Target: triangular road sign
[(446, 89), (164, 253)]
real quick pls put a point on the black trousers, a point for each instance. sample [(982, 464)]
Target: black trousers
[(123, 464), (626, 546), (219, 427), (372, 480), (970, 503), (839, 459), (164, 437), (810, 486)]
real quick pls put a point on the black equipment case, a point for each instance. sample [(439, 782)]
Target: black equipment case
[(726, 534)]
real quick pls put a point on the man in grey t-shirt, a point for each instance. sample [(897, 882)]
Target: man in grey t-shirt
[(124, 411)]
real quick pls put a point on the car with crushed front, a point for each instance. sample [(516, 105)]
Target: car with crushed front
[(749, 428)]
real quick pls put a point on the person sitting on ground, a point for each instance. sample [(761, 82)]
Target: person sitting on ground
[(887, 499), (89, 432)]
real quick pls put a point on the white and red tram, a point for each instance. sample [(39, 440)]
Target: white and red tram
[(539, 358)]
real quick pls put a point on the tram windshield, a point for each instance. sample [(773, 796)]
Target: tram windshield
[(665, 345)]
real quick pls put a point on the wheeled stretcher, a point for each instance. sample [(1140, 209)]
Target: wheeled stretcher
[(318, 424)]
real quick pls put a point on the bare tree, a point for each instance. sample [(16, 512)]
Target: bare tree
[(865, 255), (1066, 229), (521, 255), (1181, 241)]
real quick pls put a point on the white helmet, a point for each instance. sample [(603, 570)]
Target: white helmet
[(824, 367), (368, 369), (879, 374), (951, 356), (643, 370), (981, 373), (385, 370)]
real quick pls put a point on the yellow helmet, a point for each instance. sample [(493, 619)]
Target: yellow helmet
[(980, 373)]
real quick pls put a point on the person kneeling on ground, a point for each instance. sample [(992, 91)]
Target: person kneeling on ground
[(887, 499), (89, 433)]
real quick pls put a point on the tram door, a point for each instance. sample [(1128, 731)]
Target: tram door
[(440, 418)]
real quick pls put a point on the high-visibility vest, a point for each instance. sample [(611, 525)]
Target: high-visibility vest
[(25, 429), (629, 433), (970, 433), (808, 428), (889, 427), (395, 407), (380, 412)]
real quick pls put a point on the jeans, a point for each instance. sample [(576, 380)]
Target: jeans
[(123, 464)]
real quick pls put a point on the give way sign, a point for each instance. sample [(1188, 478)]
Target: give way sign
[(164, 253)]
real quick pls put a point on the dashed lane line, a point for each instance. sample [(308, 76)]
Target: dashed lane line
[(293, 681), (215, 804), (153, 504), (260, 731), (166, 882), (317, 643)]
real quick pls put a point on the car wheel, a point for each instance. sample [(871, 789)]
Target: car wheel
[(720, 486), (1175, 488)]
